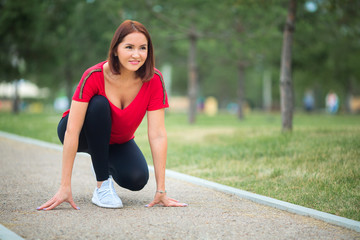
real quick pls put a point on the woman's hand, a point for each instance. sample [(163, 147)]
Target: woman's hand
[(63, 195), (162, 199)]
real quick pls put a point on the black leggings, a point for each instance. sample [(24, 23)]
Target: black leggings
[(124, 162)]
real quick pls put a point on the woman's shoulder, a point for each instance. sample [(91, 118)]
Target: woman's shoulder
[(96, 68), (157, 73), (157, 79), (93, 69), (158, 91), (157, 82), (157, 76)]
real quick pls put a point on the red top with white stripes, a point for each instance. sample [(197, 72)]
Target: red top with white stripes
[(152, 96)]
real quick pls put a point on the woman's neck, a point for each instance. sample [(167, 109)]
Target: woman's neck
[(124, 75)]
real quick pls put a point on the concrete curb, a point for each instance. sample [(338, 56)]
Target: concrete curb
[(326, 217), (6, 234)]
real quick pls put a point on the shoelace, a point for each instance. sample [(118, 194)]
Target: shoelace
[(108, 191), (111, 187)]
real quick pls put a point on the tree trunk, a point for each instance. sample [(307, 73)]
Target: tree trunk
[(267, 96), (241, 90), (286, 88), (349, 93), (193, 75), (16, 101)]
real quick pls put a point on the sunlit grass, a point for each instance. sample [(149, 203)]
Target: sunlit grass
[(317, 165), (40, 126)]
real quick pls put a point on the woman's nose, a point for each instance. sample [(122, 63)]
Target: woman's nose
[(135, 53)]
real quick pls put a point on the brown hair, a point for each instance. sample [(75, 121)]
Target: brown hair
[(146, 71)]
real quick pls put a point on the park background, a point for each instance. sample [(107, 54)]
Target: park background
[(229, 51)]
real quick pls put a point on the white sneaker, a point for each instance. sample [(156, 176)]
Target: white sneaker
[(106, 197)]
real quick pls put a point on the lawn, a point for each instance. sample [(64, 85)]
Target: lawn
[(316, 166)]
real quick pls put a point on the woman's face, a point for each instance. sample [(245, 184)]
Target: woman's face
[(132, 52)]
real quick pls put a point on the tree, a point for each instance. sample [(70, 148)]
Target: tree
[(251, 43), (217, 49), (194, 26), (75, 39), (287, 100), (327, 49), (18, 34), (76, 35)]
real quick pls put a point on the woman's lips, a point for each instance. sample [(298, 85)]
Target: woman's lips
[(134, 62)]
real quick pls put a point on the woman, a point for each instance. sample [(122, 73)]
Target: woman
[(107, 108)]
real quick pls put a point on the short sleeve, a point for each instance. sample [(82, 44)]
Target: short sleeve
[(158, 97), (87, 87)]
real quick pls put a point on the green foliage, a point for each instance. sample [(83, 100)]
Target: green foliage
[(326, 49), (58, 40), (18, 38)]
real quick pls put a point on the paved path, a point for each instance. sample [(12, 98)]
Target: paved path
[(30, 174)]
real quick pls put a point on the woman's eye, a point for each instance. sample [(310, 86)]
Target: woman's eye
[(143, 48), (128, 47)]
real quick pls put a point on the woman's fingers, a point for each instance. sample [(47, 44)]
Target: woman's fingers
[(51, 204), (72, 203), (47, 204), (167, 202), (150, 204), (173, 200), (60, 197), (177, 204), (55, 204)]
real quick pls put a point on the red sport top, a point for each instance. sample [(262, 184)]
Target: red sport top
[(152, 96)]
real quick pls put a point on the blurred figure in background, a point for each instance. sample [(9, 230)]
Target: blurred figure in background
[(309, 101), (332, 102)]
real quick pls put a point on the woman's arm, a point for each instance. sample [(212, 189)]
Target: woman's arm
[(158, 144), (71, 142)]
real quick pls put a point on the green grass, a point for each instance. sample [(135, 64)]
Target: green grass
[(316, 166)]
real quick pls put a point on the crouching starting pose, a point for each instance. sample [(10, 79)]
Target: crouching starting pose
[(107, 107)]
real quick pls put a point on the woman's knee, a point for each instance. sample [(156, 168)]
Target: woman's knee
[(98, 112), (139, 181), (62, 128), (134, 181), (98, 105)]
